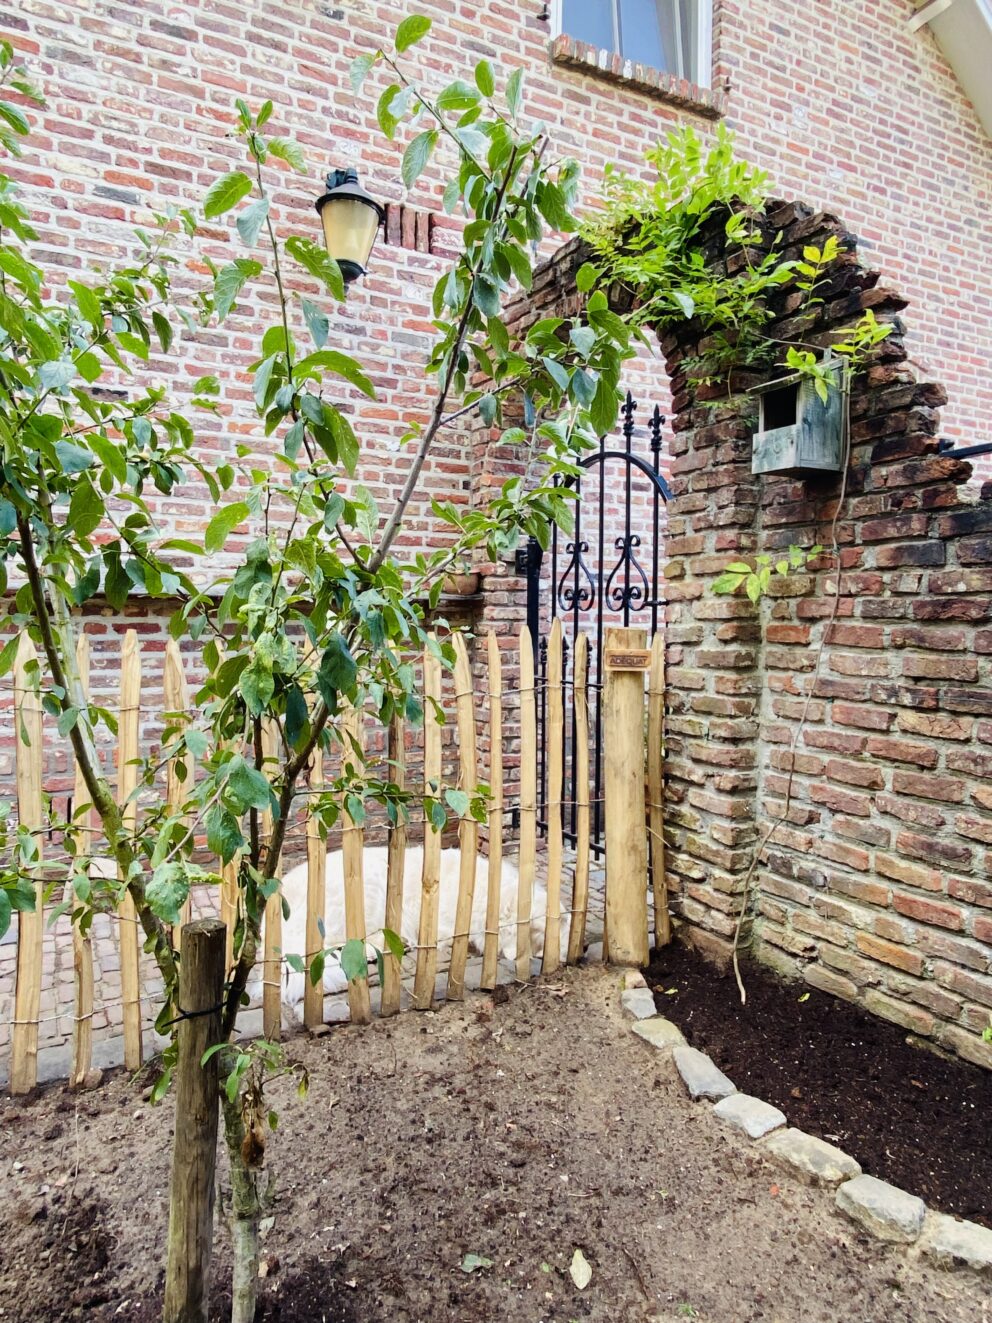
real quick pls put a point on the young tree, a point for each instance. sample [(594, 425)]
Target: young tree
[(320, 614)]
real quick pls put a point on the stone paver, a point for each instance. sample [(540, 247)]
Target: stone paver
[(814, 1160), (659, 1032), (883, 1209), (638, 1002), (953, 1244), (754, 1117), (702, 1077)]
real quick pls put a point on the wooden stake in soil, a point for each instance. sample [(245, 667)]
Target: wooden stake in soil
[(395, 865), (556, 731), (127, 781), (656, 789), (191, 1199), (272, 939), (30, 924), (490, 959), (353, 852), (82, 946), (313, 995), (625, 662), (468, 828), (176, 701), (528, 803), (580, 887), (426, 975)]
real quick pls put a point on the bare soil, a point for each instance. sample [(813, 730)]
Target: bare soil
[(517, 1130), (909, 1116)]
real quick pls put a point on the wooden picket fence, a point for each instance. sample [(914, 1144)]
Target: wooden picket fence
[(631, 762)]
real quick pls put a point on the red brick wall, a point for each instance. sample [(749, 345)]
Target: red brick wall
[(842, 105)]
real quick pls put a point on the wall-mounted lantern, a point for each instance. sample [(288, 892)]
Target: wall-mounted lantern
[(350, 218), (798, 432)]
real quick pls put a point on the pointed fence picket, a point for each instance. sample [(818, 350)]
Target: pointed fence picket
[(478, 717)]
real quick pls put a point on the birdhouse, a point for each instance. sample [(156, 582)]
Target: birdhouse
[(798, 433)]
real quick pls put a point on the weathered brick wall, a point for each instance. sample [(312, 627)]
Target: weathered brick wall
[(860, 711)]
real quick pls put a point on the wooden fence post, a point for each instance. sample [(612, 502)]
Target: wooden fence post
[(580, 886), (625, 662), (272, 936), (82, 946), (656, 789), (395, 868), (353, 852), (490, 958), (426, 973), (176, 695), (128, 749), (553, 805), (191, 1198), (528, 803), (313, 994), (30, 924), (468, 828)]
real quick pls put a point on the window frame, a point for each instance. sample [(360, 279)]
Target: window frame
[(704, 44)]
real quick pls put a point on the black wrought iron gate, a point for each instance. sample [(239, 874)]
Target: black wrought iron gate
[(608, 572)]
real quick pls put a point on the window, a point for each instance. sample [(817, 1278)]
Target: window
[(671, 35)]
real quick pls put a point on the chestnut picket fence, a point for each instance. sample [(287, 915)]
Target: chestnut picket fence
[(633, 810)]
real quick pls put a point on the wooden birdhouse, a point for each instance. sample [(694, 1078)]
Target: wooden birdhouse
[(799, 433)]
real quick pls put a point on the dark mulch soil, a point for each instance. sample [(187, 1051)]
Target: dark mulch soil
[(907, 1115)]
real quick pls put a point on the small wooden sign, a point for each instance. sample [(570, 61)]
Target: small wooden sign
[(628, 659)]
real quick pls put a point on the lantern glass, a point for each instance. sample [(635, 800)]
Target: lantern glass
[(350, 228)]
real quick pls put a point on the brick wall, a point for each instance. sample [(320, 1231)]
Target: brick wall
[(877, 751), (843, 106)]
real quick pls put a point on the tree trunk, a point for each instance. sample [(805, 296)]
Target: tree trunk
[(191, 1200), (246, 1209)]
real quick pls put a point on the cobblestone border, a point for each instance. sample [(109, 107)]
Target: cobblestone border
[(883, 1210)]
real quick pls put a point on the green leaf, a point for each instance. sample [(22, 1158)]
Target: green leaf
[(360, 67), (8, 517), (458, 801), (251, 220), (224, 837), (230, 281), (342, 365), (223, 524), (416, 157), (586, 277), (727, 582), (315, 260), (685, 301), (473, 1262), (604, 408), (247, 786), (458, 95), (73, 458), (513, 90), (385, 117), (411, 30), (257, 686), (316, 320), (163, 329), (88, 304), (338, 671), (85, 509), (226, 193), (354, 964), (168, 890), (286, 149), (485, 79), (6, 910)]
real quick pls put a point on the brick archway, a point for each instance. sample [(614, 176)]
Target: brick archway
[(876, 887)]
